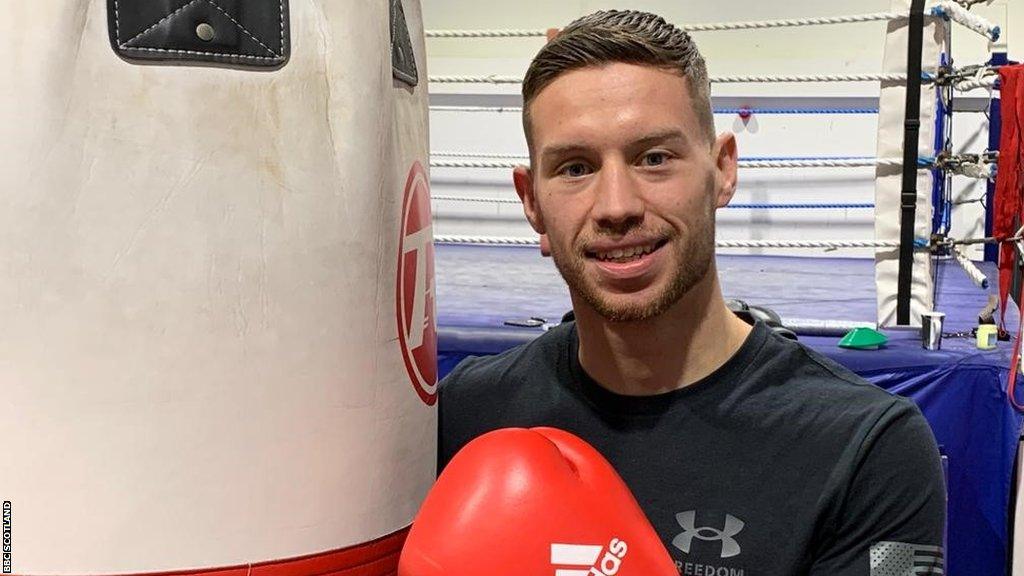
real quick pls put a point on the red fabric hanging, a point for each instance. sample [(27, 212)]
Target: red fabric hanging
[(1009, 201), (1009, 182)]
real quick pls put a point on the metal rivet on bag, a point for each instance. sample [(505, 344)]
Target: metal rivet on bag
[(205, 32)]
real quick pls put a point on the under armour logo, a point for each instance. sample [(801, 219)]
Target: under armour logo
[(687, 520)]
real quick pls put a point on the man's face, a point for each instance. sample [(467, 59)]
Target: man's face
[(625, 185)]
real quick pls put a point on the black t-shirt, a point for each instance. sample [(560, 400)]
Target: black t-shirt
[(779, 463)]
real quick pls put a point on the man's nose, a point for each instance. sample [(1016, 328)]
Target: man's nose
[(618, 204)]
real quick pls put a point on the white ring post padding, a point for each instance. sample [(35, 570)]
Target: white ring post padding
[(888, 182), (810, 244), (970, 268), (747, 79)]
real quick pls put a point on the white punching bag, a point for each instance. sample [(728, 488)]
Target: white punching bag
[(217, 340)]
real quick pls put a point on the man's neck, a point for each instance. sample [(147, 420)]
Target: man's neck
[(674, 349)]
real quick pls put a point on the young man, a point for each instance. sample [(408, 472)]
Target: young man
[(750, 454)]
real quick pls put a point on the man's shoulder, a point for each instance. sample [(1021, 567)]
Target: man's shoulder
[(515, 366), (822, 385), (507, 389)]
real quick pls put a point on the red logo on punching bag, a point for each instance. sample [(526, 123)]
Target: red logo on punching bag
[(414, 299)]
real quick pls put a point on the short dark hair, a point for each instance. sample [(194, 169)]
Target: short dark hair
[(627, 36)]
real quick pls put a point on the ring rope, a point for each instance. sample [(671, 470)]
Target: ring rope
[(969, 268), (960, 15), (453, 154), (810, 158), (826, 244), (738, 206), (792, 22), (793, 111), (516, 109), (499, 79), (474, 199), (520, 156), (821, 163), (945, 9), (486, 33), (989, 82)]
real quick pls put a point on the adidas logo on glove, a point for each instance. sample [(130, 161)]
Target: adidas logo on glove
[(586, 559)]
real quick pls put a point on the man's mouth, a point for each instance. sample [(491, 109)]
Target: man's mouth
[(626, 254)]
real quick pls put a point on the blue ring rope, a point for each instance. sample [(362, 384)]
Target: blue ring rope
[(800, 206), (923, 161), (801, 158), (796, 110)]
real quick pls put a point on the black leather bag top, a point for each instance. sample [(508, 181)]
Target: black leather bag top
[(247, 33), (403, 58)]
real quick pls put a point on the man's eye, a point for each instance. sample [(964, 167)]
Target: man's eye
[(575, 170), (654, 159)]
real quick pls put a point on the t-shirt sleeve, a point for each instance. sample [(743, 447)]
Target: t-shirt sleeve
[(891, 520), (448, 433)]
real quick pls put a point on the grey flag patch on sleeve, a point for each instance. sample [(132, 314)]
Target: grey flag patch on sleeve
[(902, 559)]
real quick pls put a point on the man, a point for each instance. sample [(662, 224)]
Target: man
[(750, 454)]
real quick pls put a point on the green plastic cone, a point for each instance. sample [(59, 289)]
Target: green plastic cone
[(863, 339)]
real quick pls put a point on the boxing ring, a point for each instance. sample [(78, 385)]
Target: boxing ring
[(486, 294)]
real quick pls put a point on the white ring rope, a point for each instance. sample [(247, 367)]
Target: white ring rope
[(476, 108), (452, 154), (498, 79), (491, 240), (954, 11), (960, 15), (486, 34), (825, 244), (988, 82), (810, 78), (491, 79), (824, 163), (969, 268), (789, 22), (474, 199), (949, 9)]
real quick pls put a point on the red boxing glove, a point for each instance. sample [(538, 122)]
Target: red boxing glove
[(523, 502)]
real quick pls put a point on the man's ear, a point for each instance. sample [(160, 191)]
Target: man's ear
[(726, 157), (522, 177)]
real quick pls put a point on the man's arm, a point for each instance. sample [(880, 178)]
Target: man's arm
[(891, 521), (449, 434)]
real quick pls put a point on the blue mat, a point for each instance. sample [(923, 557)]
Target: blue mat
[(960, 389)]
